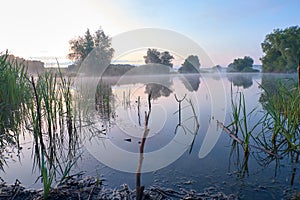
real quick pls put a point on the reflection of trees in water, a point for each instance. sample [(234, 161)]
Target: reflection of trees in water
[(244, 80), (280, 99), (191, 82), (104, 100), (272, 84), (158, 86), (157, 90)]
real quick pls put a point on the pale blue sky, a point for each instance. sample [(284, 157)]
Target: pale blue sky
[(224, 29)]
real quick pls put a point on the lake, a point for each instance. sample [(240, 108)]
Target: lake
[(166, 128)]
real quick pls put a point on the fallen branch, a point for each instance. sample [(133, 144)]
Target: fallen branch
[(242, 142)]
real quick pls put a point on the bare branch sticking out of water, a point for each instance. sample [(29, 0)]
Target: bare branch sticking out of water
[(139, 188)]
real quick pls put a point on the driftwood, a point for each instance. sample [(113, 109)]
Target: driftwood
[(242, 142)]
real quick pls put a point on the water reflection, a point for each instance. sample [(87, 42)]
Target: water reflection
[(280, 99), (240, 165), (117, 99), (241, 80), (272, 83), (104, 101), (191, 82), (157, 90)]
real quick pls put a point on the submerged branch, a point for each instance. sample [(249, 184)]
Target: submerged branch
[(242, 142)]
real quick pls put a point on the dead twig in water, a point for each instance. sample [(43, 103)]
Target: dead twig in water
[(242, 142), (139, 188)]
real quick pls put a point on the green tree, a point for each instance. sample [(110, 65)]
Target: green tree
[(282, 50), (81, 47), (154, 56), (241, 65), (191, 65), (166, 58)]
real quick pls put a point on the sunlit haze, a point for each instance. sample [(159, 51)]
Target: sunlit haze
[(225, 30)]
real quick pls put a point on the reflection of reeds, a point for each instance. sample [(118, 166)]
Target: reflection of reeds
[(240, 127), (239, 141), (282, 117), (126, 99), (280, 124), (42, 106), (282, 120), (104, 100), (236, 110), (240, 120)]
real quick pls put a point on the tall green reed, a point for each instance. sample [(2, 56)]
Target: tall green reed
[(240, 119), (44, 107), (14, 94), (55, 134)]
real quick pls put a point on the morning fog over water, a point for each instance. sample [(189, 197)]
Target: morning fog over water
[(176, 120)]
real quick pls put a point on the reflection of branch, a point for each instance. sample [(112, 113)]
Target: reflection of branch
[(296, 159), (138, 107), (179, 106), (242, 142), (184, 128), (139, 188)]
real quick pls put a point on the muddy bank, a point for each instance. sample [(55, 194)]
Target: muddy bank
[(92, 189)]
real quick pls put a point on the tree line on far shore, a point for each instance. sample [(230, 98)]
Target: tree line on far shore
[(281, 50)]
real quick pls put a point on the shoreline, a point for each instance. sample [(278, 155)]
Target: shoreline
[(92, 189)]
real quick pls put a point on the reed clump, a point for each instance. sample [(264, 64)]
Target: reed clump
[(240, 119), (14, 94), (42, 106), (282, 118), (277, 131), (54, 126)]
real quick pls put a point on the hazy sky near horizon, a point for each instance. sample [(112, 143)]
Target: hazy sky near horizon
[(225, 30)]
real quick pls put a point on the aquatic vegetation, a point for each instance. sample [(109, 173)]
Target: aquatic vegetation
[(282, 118), (54, 127), (14, 94), (47, 178), (240, 120), (41, 106), (103, 99), (279, 128)]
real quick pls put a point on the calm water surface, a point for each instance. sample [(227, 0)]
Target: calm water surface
[(177, 154)]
